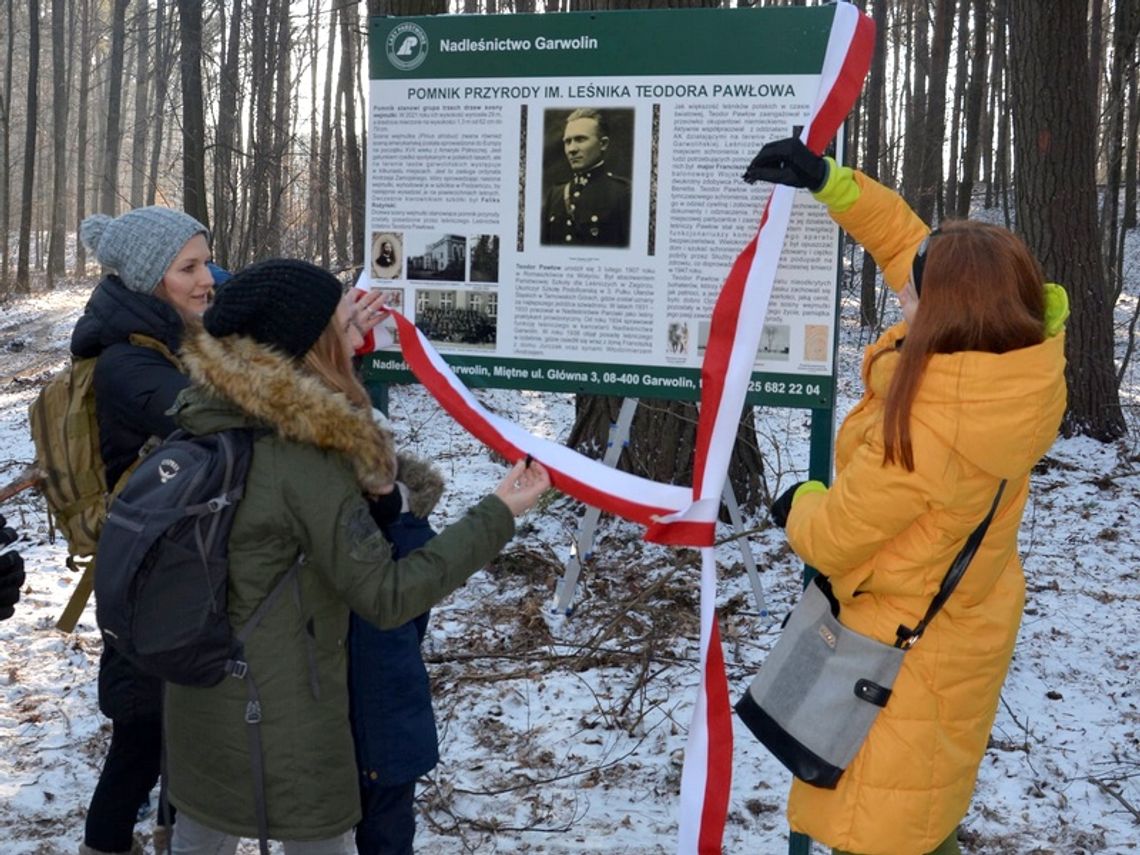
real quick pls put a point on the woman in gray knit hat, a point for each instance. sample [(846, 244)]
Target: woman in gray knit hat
[(133, 324)]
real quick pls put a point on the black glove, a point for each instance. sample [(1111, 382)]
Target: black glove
[(386, 509), (788, 162), (783, 505), (11, 572)]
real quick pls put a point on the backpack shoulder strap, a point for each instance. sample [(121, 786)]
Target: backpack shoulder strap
[(240, 668), (149, 341)]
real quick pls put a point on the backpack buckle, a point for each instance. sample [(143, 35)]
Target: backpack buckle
[(253, 712), (237, 668), (217, 503)]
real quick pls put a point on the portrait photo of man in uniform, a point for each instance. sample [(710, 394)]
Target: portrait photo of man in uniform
[(587, 196)]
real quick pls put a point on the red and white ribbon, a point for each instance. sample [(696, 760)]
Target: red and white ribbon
[(676, 515), (734, 337)]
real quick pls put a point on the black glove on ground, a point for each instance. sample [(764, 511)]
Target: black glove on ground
[(783, 505), (11, 573), (789, 162)]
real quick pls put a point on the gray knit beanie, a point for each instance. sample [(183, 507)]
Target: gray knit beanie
[(141, 244)]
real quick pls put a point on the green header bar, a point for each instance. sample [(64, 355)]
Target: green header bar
[(789, 40)]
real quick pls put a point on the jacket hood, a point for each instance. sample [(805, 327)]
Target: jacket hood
[(240, 382), (1001, 411), (114, 312)]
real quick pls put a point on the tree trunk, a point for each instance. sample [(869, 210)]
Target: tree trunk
[(27, 196), (1130, 154), (112, 142), (81, 153), (142, 94), (313, 39), (5, 151), (193, 120), (261, 129), (324, 203), (280, 134), (950, 199), (60, 134), (1126, 22), (353, 158), (975, 96), (934, 126), (1056, 197), (225, 138), (163, 63), (896, 100), (1096, 56), (868, 314), (917, 67)]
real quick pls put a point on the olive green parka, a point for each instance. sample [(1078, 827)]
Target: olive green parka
[(303, 497)]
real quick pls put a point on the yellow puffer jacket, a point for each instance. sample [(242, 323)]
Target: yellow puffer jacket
[(885, 538)]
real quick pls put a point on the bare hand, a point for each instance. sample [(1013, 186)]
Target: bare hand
[(369, 310), (523, 485)]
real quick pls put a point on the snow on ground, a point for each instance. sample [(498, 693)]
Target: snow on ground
[(565, 734)]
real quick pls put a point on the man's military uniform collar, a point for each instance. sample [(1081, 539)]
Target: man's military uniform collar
[(585, 176)]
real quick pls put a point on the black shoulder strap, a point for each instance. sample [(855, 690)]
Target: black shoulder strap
[(906, 636)]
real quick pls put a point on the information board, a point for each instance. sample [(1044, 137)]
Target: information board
[(556, 200)]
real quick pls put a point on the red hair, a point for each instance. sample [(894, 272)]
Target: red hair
[(981, 290)]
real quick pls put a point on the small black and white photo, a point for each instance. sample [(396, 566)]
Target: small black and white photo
[(438, 257), (387, 255), (458, 320), (484, 258), (775, 342), (677, 338)]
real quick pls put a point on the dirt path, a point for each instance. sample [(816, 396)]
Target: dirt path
[(35, 330)]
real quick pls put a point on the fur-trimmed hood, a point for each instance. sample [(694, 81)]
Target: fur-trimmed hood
[(271, 391)]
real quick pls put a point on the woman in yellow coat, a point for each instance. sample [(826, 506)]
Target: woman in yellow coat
[(966, 391)]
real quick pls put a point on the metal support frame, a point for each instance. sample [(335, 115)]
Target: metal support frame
[(582, 548), (745, 550)]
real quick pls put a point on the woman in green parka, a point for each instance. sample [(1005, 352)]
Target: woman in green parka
[(273, 355)]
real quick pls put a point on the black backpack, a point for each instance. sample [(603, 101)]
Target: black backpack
[(162, 564), (162, 573)]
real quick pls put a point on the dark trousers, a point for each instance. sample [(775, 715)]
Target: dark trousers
[(389, 822), (129, 773)]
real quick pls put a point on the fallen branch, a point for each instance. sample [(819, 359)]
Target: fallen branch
[(1109, 791), (30, 477)]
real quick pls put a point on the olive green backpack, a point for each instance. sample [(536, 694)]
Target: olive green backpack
[(71, 471)]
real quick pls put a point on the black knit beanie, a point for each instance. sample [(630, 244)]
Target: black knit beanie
[(281, 302)]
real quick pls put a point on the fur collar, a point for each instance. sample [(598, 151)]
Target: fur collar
[(297, 406)]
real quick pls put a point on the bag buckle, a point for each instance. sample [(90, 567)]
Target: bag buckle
[(237, 668), (905, 637), (253, 712)]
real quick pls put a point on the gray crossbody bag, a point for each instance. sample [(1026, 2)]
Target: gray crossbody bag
[(822, 685)]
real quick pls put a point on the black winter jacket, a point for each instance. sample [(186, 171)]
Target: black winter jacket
[(134, 386)]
